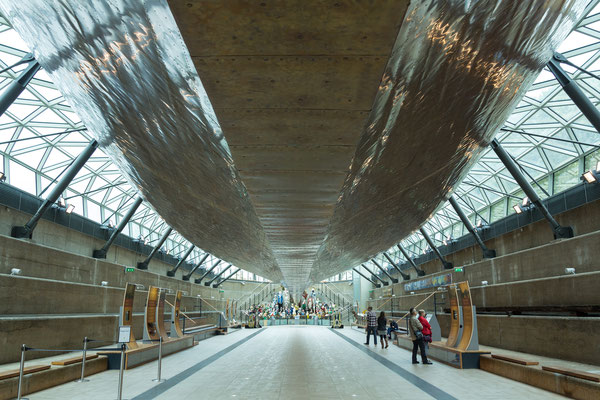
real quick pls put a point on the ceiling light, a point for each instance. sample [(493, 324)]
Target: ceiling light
[(70, 208), (15, 271), (479, 223), (62, 202), (525, 201), (597, 167), (517, 209), (2, 177), (111, 224)]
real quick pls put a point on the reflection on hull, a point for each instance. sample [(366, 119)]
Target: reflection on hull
[(456, 72), (124, 68)]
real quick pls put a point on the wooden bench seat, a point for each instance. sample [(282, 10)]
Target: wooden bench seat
[(573, 372), (514, 360), (27, 370), (199, 328), (74, 360)]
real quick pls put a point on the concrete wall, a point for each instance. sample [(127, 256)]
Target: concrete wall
[(583, 220), (566, 338), (551, 259), (40, 261)]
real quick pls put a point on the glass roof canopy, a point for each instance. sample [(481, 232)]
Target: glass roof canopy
[(44, 136), (101, 193)]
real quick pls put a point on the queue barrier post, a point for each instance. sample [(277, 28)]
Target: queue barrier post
[(121, 368), (158, 379), (21, 368), (82, 379)]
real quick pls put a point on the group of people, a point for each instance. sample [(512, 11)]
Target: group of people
[(283, 306), (418, 327)]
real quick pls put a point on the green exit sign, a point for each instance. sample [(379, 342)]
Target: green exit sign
[(129, 269), (221, 291), (458, 269)]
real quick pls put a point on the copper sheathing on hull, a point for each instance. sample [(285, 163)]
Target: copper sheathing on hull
[(124, 68), (457, 70)]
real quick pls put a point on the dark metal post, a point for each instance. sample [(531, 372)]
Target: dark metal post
[(377, 285), (188, 276), (573, 91), (375, 275), (16, 87), (420, 272), (208, 271), (216, 276), (180, 263), (406, 277), (144, 264), (394, 280), (446, 264), (559, 231), (228, 276), (101, 253), (26, 231), (487, 253)]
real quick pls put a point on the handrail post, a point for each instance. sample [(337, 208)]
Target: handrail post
[(82, 379), (158, 379), (121, 367), (21, 368)]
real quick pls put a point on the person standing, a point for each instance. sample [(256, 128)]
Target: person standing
[(371, 325), (381, 329), (393, 328), (426, 331), (415, 329)]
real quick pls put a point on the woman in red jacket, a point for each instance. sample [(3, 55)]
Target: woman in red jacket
[(426, 329)]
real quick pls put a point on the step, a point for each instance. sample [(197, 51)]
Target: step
[(533, 375), (515, 360), (49, 377), (74, 360), (27, 370), (573, 372)]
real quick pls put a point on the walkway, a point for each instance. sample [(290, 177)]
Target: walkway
[(290, 362)]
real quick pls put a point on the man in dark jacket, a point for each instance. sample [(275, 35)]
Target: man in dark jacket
[(371, 325)]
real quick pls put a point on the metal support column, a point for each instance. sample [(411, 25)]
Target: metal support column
[(406, 277), (217, 276), (394, 280), (26, 231), (572, 90), (101, 253), (560, 232), (181, 261), (144, 264), (487, 253), (377, 285), (375, 275), (420, 272), (227, 278), (16, 87), (446, 264), (188, 276), (208, 271)]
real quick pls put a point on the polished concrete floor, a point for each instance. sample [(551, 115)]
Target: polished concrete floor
[(290, 362)]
